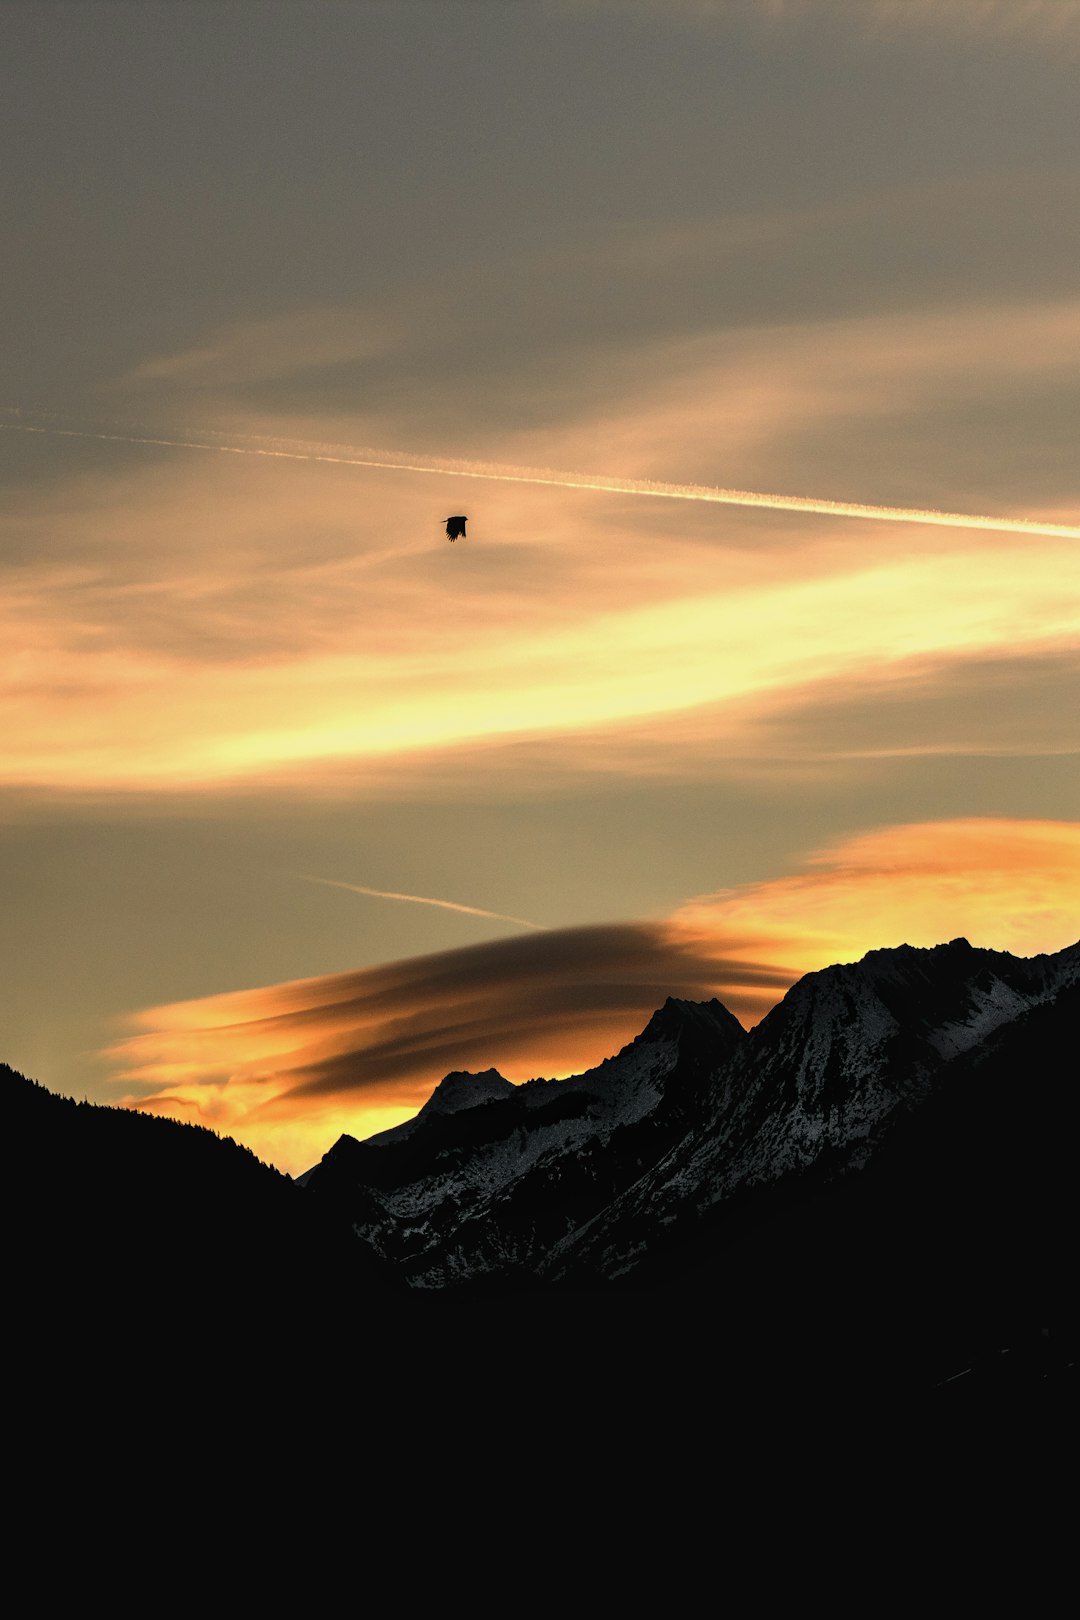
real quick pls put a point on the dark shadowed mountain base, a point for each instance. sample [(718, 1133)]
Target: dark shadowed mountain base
[(646, 1250)]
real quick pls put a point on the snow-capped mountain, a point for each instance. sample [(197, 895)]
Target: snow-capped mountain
[(819, 1082), (489, 1175), (868, 1199), (584, 1179)]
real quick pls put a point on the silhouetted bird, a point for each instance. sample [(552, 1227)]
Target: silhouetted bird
[(455, 528)]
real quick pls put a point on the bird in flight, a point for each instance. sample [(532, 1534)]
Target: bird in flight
[(455, 528)]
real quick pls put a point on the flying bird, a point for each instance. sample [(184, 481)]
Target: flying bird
[(455, 528)]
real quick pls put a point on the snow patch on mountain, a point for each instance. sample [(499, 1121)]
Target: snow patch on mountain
[(577, 1178), (469, 1183), (817, 1083), (461, 1090)]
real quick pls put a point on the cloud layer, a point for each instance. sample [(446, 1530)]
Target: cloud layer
[(824, 250), (286, 1067)]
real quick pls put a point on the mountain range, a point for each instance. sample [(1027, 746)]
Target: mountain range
[(868, 1197)]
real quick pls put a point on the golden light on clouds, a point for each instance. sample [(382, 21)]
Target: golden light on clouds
[(286, 1068), (360, 1047), (764, 646), (315, 670), (193, 621), (1004, 885)]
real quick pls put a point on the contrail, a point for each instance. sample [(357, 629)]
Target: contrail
[(425, 900), (404, 461)]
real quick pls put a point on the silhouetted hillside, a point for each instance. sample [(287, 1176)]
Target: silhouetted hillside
[(943, 1271), (121, 1223)]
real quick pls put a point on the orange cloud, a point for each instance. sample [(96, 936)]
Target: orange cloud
[(286, 1068), (1003, 884), (218, 672), (190, 621), (278, 1066)]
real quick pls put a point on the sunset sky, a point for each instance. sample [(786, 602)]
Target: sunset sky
[(303, 806)]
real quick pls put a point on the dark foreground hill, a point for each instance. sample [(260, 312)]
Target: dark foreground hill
[(122, 1227)]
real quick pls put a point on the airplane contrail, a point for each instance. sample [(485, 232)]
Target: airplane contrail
[(404, 461), (425, 900)]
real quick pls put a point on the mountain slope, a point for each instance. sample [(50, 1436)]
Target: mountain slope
[(138, 1224), (865, 1198), (489, 1175), (818, 1084), (945, 1265)]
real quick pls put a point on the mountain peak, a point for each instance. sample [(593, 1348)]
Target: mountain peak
[(461, 1089), (675, 1018)]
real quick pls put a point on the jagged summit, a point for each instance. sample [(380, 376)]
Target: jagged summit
[(676, 1019), (525, 1163), (960, 951), (456, 1092), (461, 1089), (948, 996), (849, 1052)]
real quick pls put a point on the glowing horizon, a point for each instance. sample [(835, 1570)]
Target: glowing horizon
[(282, 1066)]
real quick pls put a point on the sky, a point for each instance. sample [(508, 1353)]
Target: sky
[(302, 806)]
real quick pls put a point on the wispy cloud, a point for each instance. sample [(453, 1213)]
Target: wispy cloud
[(1027, 21), (188, 623), (1045, 20), (423, 900), (144, 653), (275, 347)]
